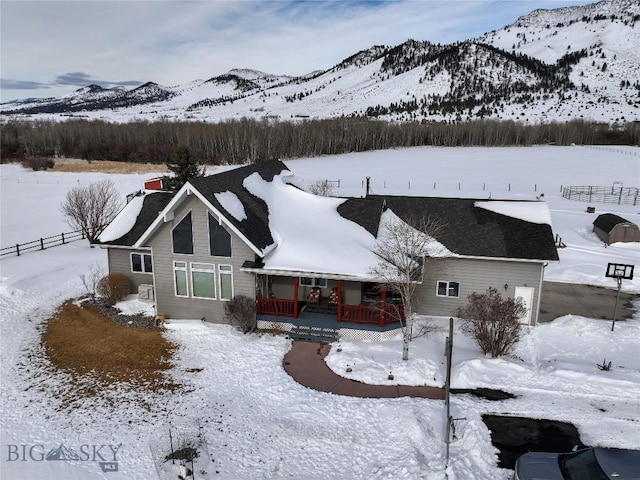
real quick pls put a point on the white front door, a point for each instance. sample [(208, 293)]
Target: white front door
[(526, 295)]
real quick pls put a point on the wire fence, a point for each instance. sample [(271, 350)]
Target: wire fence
[(42, 243), (633, 151), (615, 194)]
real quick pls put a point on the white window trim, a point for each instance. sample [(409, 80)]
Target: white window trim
[(209, 236), (315, 282), (186, 277), (212, 271), (226, 272), (142, 263), (448, 284), (193, 247)]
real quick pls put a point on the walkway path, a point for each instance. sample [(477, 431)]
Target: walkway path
[(305, 363)]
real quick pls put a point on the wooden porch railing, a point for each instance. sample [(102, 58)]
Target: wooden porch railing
[(275, 306), (382, 316)]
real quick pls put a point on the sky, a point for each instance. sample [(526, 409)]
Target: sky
[(50, 48)]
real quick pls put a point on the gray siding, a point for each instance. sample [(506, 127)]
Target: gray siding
[(475, 276), (119, 261), (167, 302)]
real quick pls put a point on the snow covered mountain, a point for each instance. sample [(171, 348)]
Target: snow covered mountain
[(550, 65)]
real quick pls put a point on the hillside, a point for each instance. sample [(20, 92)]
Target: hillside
[(551, 65)]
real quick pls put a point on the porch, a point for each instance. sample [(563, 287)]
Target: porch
[(375, 310)]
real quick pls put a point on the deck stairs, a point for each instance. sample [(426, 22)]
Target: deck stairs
[(314, 334)]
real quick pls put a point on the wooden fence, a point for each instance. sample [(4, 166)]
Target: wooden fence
[(42, 243)]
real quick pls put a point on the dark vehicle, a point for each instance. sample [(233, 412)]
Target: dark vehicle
[(588, 464)]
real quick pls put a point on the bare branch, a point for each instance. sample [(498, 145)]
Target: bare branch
[(91, 208), (403, 250)]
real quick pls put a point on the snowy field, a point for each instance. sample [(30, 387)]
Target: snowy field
[(256, 421)]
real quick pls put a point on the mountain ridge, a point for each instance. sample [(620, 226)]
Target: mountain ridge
[(549, 65)]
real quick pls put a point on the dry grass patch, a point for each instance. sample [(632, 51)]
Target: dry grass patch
[(105, 166), (81, 341)]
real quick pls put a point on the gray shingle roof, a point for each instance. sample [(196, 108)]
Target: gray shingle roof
[(152, 205), (607, 221), (466, 229), (256, 226)]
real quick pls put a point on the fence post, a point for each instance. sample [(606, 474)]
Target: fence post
[(41, 244), (18, 249), (62, 235)]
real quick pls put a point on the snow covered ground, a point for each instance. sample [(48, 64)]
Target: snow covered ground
[(255, 420)]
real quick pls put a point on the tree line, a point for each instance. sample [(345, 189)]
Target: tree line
[(247, 140)]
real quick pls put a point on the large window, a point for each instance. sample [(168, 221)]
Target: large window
[(448, 289), (313, 282), (203, 280), (180, 278), (226, 282), (182, 236), (219, 239), (141, 262)]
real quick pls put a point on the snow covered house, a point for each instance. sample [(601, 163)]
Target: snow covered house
[(307, 259)]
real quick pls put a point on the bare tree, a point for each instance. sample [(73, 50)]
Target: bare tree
[(91, 208), (91, 279), (322, 188), (403, 251), (493, 321)]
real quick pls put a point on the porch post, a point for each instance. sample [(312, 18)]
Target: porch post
[(296, 286), (339, 287), (383, 301)]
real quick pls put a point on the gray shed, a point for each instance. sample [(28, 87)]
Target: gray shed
[(611, 228)]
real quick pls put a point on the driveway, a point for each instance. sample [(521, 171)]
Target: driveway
[(560, 299)]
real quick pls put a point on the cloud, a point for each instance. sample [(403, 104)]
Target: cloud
[(81, 79), (10, 84)]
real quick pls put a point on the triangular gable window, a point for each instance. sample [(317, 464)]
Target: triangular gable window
[(219, 239), (183, 237)]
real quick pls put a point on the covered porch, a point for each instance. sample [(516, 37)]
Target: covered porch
[(327, 302)]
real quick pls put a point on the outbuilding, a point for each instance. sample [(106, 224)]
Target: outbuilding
[(611, 228)]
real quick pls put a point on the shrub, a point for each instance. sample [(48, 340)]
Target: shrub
[(241, 312), (38, 163), (493, 321), (322, 188), (113, 288)]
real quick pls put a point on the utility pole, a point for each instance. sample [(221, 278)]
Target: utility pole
[(447, 389)]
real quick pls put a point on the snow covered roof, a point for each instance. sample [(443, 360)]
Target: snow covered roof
[(292, 230), (134, 218), (467, 229)]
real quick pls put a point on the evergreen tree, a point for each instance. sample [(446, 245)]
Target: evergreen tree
[(184, 168)]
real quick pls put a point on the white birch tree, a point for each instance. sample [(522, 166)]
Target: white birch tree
[(403, 251)]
